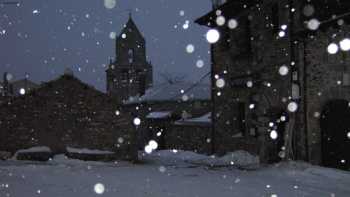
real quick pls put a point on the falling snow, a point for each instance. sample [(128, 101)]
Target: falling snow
[(232, 23), (213, 36), (22, 91), (345, 44), (137, 121), (170, 172), (190, 48), (220, 20), (332, 48), (200, 63), (283, 70), (313, 24), (99, 188), (220, 83), (110, 4), (273, 134), (292, 107)]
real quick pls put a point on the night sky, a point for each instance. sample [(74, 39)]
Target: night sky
[(42, 37)]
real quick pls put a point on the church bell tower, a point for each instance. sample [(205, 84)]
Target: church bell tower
[(129, 74)]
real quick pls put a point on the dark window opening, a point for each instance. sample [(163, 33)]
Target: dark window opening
[(142, 84), (275, 17), (241, 118), (131, 56), (125, 75), (249, 36)]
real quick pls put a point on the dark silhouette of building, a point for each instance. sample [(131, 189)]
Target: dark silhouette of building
[(16, 87), (66, 112), (130, 74), (13, 88), (163, 105), (280, 79)]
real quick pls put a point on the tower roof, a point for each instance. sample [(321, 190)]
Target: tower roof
[(130, 27)]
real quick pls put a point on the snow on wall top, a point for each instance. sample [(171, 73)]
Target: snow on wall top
[(205, 119), (174, 92), (159, 115), (35, 149), (87, 151)]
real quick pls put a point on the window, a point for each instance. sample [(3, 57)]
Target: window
[(131, 56), (275, 17), (125, 75), (241, 118), (295, 91), (138, 74), (295, 76), (239, 40), (142, 84), (346, 79), (249, 36)]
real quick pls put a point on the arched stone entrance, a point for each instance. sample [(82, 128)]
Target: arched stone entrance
[(335, 125)]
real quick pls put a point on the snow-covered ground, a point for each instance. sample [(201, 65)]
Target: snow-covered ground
[(166, 173)]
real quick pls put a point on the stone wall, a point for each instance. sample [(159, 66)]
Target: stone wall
[(191, 138), (198, 138), (66, 112), (248, 59), (325, 82), (177, 109), (255, 50)]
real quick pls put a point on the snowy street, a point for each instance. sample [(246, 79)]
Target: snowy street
[(162, 175)]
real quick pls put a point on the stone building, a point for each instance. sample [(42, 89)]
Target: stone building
[(165, 104), (130, 74), (282, 88), (11, 87), (66, 113)]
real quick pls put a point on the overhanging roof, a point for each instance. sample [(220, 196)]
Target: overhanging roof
[(159, 115), (202, 120), (228, 10)]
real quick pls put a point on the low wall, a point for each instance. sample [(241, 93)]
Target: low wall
[(191, 138)]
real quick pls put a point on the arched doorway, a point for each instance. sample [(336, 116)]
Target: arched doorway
[(335, 125)]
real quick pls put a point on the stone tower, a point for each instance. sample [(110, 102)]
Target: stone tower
[(130, 74)]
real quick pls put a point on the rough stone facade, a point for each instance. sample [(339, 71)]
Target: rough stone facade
[(130, 74), (66, 112), (150, 127), (194, 137), (11, 88), (271, 34), (245, 59), (198, 138), (327, 81)]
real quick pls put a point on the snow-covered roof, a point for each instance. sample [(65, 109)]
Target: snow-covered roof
[(205, 119), (174, 92), (159, 115), (228, 9)]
